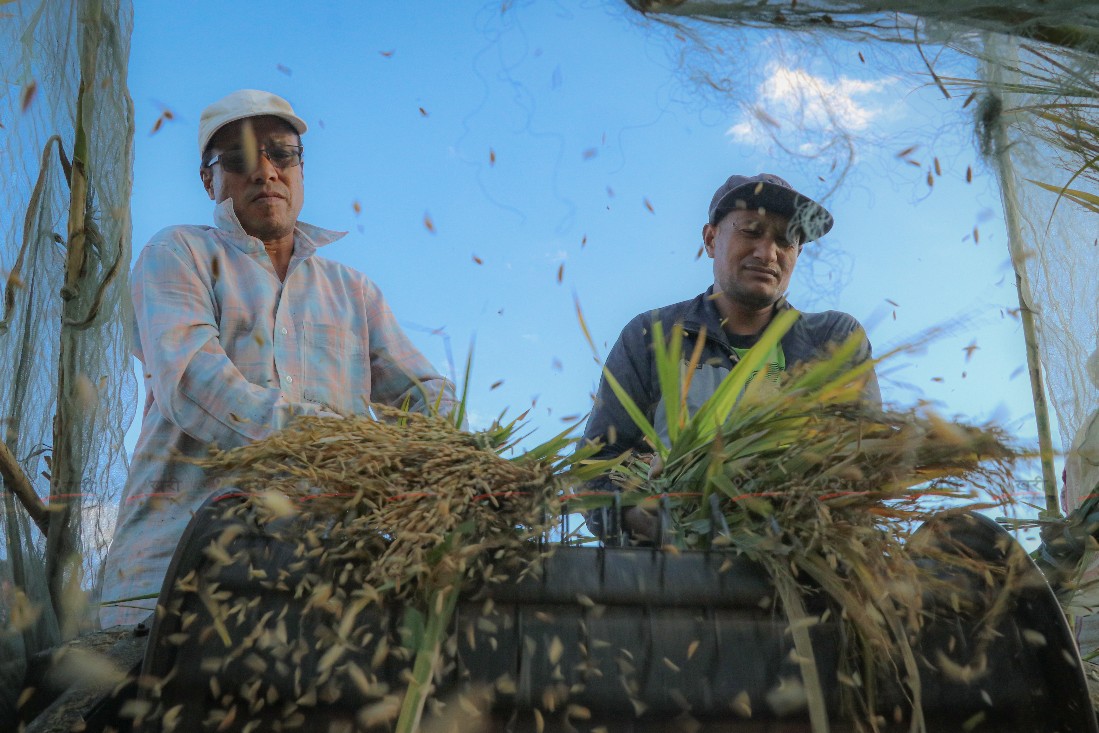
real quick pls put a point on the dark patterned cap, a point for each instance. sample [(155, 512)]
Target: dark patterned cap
[(769, 192)]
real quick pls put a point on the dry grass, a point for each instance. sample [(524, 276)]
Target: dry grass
[(826, 494), (822, 493), (387, 496), (407, 510)]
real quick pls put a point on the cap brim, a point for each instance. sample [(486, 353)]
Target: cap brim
[(809, 217), (293, 120)]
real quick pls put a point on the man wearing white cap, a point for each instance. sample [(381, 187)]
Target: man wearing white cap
[(241, 327), (754, 233)]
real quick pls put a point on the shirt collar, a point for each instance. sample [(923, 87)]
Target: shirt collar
[(307, 237), (706, 314)]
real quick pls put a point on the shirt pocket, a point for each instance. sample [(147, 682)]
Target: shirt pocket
[(335, 376)]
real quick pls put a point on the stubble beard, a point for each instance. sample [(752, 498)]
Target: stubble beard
[(267, 228), (750, 300)]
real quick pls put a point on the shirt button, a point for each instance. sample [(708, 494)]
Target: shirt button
[(289, 379), (284, 332)]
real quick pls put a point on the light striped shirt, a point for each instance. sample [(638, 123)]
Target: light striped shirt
[(231, 354)]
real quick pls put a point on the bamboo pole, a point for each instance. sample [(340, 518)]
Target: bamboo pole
[(20, 486), (61, 554), (1019, 252)]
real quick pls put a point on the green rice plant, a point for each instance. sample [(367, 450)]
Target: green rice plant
[(822, 491)]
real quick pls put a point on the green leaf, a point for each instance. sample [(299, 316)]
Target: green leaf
[(433, 633), (552, 448), (580, 467), (412, 628), (704, 424), (724, 484), (668, 356), (459, 414), (635, 413), (824, 371)]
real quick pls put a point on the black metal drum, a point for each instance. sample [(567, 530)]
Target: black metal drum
[(597, 639)]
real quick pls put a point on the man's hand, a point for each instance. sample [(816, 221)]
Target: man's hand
[(640, 524)]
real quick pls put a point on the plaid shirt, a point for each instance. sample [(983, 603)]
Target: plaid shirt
[(232, 354)]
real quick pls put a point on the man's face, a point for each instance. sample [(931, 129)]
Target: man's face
[(267, 200), (754, 256)]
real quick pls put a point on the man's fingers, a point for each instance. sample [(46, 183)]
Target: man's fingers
[(656, 467), (640, 524)]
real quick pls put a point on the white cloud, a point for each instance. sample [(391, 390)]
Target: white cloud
[(795, 101)]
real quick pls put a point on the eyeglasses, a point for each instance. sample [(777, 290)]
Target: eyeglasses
[(281, 156)]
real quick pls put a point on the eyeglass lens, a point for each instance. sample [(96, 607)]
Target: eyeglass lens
[(281, 156)]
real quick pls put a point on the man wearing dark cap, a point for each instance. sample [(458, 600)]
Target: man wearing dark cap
[(756, 228), (240, 327)]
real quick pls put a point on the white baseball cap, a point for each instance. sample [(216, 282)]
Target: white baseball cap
[(240, 104)]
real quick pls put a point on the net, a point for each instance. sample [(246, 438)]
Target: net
[(1072, 24), (67, 393), (1041, 122), (1034, 70)]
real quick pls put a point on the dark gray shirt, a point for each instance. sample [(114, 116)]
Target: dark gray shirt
[(632, 364)]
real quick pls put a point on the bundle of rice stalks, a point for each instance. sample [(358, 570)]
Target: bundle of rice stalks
[(391, 492), (406, 509), (823, 492)]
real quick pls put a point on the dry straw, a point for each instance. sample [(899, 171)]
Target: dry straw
[(824, 493), (405, 509)]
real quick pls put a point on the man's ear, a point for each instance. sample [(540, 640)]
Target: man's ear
[(709, 231), (206, 173)]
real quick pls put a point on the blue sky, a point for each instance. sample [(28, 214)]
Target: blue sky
[(566, 153)]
